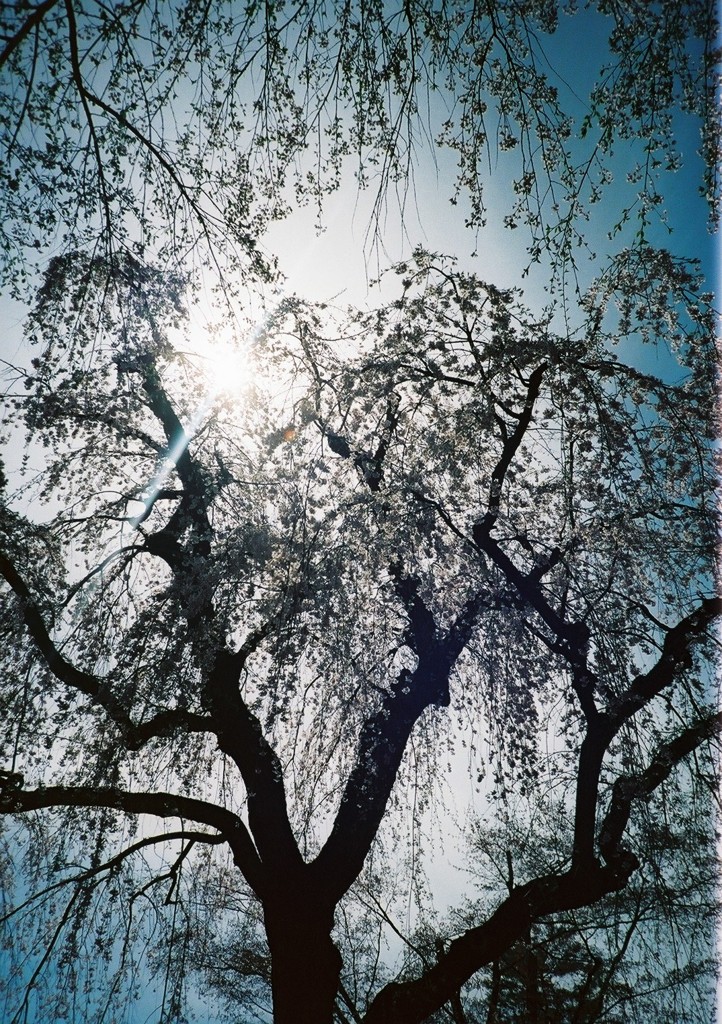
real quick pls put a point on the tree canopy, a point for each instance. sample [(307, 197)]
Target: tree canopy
[(251, 628), (182, 129)]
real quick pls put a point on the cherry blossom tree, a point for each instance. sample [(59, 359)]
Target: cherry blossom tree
[(238, 615), (247, 626)]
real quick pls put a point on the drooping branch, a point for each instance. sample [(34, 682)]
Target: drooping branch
[(88, 98), (78, 79), (164, 805), (185, 835), (157, 154), (97, 689), (23, 1009)]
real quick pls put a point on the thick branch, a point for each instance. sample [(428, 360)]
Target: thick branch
[(175, 434), (591, 755), (529, 589), (384, 736), (587, 881), (238, 731), (240, 736), (382, 742), (164, 805), (32, 21), (165, 723), (61, 669), (628, 788), (676, 654), (197, 494), (412, 1002), (572, 638)]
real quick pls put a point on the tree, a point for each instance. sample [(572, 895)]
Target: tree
[(474, 510), (254, 615)]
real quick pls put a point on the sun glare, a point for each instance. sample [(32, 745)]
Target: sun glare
[(219, 355), (227, 367)]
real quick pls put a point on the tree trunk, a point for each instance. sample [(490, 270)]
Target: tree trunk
[(305, 963)]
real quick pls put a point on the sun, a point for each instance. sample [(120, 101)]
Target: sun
[(227, 367), (220, 356)]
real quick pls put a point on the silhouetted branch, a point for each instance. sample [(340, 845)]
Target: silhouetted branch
[(676, 653), (32, 21), (164, 805), (587, 881), (628, 788), (212, 839), (98, 689)]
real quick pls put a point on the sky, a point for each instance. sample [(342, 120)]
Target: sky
[(342, 259)]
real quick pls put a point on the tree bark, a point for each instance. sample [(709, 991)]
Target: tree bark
[(305, 963)]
